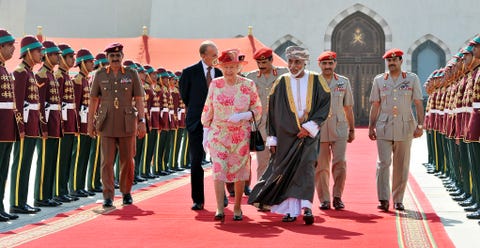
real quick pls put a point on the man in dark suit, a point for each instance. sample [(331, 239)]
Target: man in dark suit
[(193, 89)]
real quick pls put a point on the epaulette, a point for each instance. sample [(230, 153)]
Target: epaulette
[(146, 86), (42, 73), (58, 74), (78, 79), (20, 68)]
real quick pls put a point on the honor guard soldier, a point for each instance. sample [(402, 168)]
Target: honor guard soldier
[(184, 159), (153, 120), (94, 183), (27, 103), (264, 77), (393, 126), (50, 106), (337, 130), (118, 121), (162, 155), (70, 123), (472, 135), (175, 134), (9, 116), (81, 147)]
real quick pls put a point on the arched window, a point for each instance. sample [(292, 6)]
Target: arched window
[(280, 50), (426, 58)]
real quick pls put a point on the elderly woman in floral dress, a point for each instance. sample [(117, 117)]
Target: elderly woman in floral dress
[(231, 104)]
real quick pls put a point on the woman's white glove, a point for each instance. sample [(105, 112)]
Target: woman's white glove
[(204, 141), (240, 116)]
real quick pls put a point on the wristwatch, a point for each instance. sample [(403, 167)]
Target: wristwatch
[(419, 126), (141, 120)]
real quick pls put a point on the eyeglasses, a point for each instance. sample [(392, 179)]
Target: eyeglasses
[(114, 55)]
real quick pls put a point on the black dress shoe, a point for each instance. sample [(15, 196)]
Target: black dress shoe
[(89, 193), (98, 190), (3, 218), (149, 176), (383, 205), (116, 185), (337, 203), (163, 173), (474, 215), (456, 193), (399, 206), (79, 193), (461, 197), (468, 202), (325, 205), (72, 197), (197, 206), (288, 218), (178, 169), (25, 209), (472, 208), (139, 179), (10, 216), (63, 198), (127, 199), (308, 216), (107, 203), (46, 203), (247, 190)]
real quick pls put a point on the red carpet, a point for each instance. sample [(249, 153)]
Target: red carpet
[(161, 217)]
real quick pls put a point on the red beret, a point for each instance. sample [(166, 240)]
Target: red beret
[(114, 47), (327, 55), (392, 53), (263, 53)]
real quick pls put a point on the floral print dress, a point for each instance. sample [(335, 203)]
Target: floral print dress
[(229, 142)]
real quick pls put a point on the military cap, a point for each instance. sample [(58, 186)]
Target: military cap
[(263, 53), (6, 37), (296, 52), (467, 49), (149, 69), (66, 49), (29, 43), (457, 56), (114, 47), (178, 74), (231, 56), (475, 40), (83, 55), (392, 53), (50, 47), (162, 72), (327, 55), (170, 74), (129, 63), (139, 67), (101, 58)]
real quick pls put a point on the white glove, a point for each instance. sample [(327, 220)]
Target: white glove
[(204, 142), (240, 116)]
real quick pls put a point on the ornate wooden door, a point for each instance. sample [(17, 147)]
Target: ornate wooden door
[(359, 42)]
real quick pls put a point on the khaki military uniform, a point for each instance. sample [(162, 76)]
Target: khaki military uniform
[(394, 129), (117, 124), (333, 140), (264, 85)]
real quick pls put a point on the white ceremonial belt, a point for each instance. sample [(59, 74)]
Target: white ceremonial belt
[(68, 106), (54, 107), (32, 106), (6, 105), (441, 112), (155, 109), (476, 105), (468, 109), (447, 111), (434, 111)]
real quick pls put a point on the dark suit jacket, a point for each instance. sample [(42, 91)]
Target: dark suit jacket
[(193, 89)]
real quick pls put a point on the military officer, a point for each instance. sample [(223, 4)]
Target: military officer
[(70, 123), (10, 118), (337, 130), (50, 105), (118, 121), (393, 126), (81, 148), (264, 77), (93, 178), (28, 105), (153, 105)]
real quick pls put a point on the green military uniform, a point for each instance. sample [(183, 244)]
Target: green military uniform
[(333, 141), (395, 126), (116, 123), (47, 161), (10, 118), (27, 103)]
